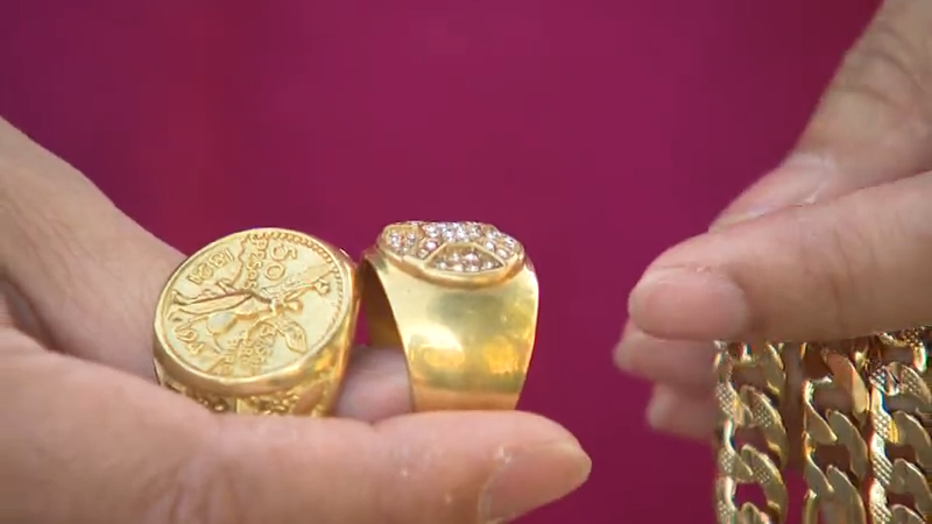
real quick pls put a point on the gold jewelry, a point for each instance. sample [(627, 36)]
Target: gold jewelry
[(753, 446), (461, 300), (260, 321), (901, 416), (835, 406), (865, 445)]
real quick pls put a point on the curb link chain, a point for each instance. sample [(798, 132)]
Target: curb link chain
[(866, 407), (900, 424), (833, 487), (752, 439)]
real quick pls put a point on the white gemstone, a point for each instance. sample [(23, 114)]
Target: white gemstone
[(452, 246)]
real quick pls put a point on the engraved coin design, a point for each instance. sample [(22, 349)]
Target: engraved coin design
[(462, 251), (252, 303)]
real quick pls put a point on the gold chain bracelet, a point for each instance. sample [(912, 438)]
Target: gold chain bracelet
[(864, 446)]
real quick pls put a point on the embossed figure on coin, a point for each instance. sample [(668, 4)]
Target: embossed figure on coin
[(238, 310)]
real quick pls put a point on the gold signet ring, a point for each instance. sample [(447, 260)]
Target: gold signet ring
[(461, 299), (260, 321)]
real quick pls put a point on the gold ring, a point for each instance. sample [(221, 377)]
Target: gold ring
[(461, 300), (260, 321)]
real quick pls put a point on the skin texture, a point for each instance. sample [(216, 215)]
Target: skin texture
[(845, 218), (834, 243), (88, 437)]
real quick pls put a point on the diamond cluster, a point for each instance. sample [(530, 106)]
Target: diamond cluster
[(458, 247)]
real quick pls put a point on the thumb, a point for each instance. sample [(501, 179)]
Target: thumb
[(86, 444), (839, 270), (872, 125)]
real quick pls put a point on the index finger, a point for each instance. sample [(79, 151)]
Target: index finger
[(90, 273)]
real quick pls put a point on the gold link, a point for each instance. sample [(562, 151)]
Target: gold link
[(751, 383), (901, 405), (866, 436), (834, 487)]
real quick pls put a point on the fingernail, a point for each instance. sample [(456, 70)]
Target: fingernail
[(530, 478), (800, 180), (681, 362), (689, 304), (636, 346), (622, 353), (682, 416), (659, 406)]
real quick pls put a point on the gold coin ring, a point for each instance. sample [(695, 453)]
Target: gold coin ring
[(260, 322)]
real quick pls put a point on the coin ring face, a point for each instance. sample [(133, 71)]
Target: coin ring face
[(253, 304)]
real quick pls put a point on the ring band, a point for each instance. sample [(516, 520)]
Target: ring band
[(461, 299), (260, 321)]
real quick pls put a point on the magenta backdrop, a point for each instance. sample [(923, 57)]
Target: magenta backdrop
[(595, 131)]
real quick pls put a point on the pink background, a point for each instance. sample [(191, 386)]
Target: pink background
[(599, 131)]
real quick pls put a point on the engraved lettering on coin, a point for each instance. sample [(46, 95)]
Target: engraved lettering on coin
[(453, 248), (252, 303)]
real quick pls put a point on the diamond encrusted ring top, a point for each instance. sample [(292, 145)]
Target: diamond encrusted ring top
[(469, 252)]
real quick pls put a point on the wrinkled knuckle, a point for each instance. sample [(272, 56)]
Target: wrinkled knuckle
[(891, 66), (841, 261), (200, 490)]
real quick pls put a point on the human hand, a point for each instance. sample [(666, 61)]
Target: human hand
[(835, 243), (87, 437)]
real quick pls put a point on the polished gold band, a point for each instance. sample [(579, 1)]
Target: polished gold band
[(866, 407), (461, 300), (259, 321)]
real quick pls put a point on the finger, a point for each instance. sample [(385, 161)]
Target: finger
[(90, 271), (681, 414), (377, 385), (16, 313), (84, 267), (872, 125), (680, 364), (146, 455), (846, 268)]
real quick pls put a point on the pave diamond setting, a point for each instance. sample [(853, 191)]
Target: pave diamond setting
[(460, 248)]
